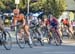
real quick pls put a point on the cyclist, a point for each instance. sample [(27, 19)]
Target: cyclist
[(45, 24), (20, 18), (45, 27), (54, 25), (67, 24), (34, 23)]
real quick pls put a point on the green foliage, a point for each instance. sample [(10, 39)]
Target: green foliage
[(54, 7), (37, 5), (22, 4), (48, 6), (5, 3), (1, 5)]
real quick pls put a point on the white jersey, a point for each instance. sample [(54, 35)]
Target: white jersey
[(33, 21)]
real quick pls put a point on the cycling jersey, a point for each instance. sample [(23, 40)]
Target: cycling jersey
[(33, 21), (19, 19), (54, 22), (66, 22)]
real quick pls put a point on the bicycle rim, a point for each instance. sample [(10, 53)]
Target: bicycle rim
[(7, 41), (20, 42)]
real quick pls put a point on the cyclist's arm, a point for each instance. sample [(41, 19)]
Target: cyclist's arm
[(15, 21), (22, 17), (24, 20)]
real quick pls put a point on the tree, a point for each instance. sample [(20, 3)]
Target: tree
[(7, 3), (48, 6), (1, 5), (22, 4), (36, 6), (54, 7)]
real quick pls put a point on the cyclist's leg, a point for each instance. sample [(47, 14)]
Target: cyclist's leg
[(2, 29), (57, 31), (20, 33), (40, 32), (68, 26), (26, 28)]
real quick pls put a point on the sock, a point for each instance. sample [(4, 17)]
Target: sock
[(30, 41)]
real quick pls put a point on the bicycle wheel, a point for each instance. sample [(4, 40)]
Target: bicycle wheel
[(57, 40), (37, 40), (30, 45), (6, 39), (20, 38), (50, 37)]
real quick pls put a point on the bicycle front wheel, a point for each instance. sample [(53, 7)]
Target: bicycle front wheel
[(57, 40), (20, 39), (7, 41)]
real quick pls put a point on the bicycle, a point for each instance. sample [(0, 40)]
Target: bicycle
[(54, 36), (36, 36), (21, 37), (5, 39), (66, 33)]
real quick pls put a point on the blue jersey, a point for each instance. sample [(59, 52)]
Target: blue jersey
[(53, 23)]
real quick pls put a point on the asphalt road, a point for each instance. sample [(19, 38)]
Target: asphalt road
[(67, 47), (47, 49)]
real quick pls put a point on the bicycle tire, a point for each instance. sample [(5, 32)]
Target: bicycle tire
[(7, 44), (57, 40), (21, 43), (30, 45), (38, 40)]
